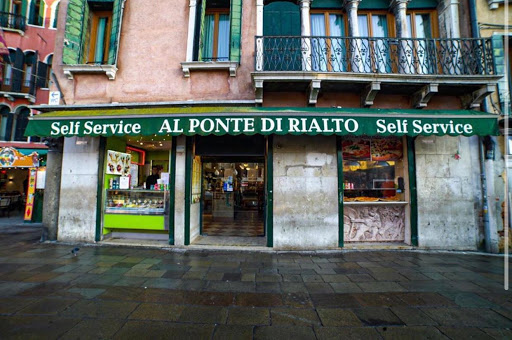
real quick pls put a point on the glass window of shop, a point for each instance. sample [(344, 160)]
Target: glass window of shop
[(373, 169)]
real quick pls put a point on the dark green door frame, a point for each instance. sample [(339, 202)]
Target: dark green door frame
[(188, 186), (99, 189), (269, 204), (339, 157), (172, 192), (413, 196)]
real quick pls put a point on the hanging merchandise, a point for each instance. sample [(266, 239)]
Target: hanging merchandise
[(29, 208)]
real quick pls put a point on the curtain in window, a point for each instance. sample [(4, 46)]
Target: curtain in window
[(318, 43), (423, 30), (100, 41), (381, 46), (338, 49), (223, 38), (207, 39)]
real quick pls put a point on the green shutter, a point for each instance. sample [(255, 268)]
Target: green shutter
[(201, 30), (117, 13), (24, 5), (235, 16), (74, 33), (501, 69)]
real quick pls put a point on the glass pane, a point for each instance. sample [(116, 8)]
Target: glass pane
[(207, 38), (338, 50), (27, 76), (318, 45), (223, 42), (373, 169), (8, 74), (317, 24), (363, 25), (336, 25), (379, 26), (100, 40), (423, 26)]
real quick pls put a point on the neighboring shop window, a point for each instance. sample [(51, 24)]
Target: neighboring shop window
[(328, 49), (373, 169)]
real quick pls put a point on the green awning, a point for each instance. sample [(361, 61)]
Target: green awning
[(253, 120)]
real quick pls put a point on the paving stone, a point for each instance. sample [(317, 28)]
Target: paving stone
[(204, 314), (121, 293), (283, 332), (360, 277), (341, 287), (248, 316), (268, 287), (48, 305), (291, 316), (377, 316), (334, 300), (496, 333), (248, 277), (336, 278), (293, 287), (413, 316), (196, 285), (94, 329), (379, 299), (425, 299), (328, 333), (130, 281), (163, 330), (416, 332), (210, 298), (476, 317), (42, 277), (297, 300), (469, 300), (155, 311), (35, 327), (312, 278), (318, 288), (232, 332), (464, 333), (162, 283), (258, 300), (334, 317), (268, 278), (381, 287), (193, 275), (101, 309), (10, 305)]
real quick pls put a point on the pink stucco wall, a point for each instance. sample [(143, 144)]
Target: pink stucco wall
[(152, 46)]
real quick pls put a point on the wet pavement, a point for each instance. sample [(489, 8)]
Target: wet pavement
[(132, 293)]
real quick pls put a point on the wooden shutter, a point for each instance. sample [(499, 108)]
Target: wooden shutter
[(42, 72), (199, 29), (235, 16), (17, 71), (115, 32), (32, 86), (8, 126), (74, 32)]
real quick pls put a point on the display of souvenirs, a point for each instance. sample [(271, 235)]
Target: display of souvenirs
[(118, 163)]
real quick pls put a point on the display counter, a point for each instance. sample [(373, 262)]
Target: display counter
[(136, 209)]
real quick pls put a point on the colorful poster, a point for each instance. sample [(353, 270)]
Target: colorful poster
[(118, 163), (29, 207), (356, 148), (386, 149), (10, 157)]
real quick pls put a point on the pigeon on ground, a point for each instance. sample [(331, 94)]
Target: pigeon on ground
[(75, 251)]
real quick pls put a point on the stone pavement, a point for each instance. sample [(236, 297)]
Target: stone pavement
[(133, 293)]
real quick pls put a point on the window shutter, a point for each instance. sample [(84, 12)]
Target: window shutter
[(17, 71), (32, 86), (42, 71), (8, 127), (74, 35), (501, 68), (235, 16), (115, 32), (199, 33)]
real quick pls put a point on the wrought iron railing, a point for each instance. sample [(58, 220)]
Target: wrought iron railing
[(11, 20), (375, 55)]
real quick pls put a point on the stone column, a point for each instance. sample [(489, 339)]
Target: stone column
[(179, 189), (52, 188), (403, 32), (191, 29), (353, 31), (305, 31), (259, 33)]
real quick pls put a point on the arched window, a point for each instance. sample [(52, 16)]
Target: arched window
[(36, 13), (21, 124), (5, 122), (55, 15), (7, 76), (30, 64)]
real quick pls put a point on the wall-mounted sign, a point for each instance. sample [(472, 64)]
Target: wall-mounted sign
[(118, 163), (10, 157)]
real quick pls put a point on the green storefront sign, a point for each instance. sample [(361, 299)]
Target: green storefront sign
[(264, 121)]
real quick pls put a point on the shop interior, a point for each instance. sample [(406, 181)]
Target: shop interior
[(233, 197)]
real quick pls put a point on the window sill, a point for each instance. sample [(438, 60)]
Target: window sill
[(14, 30), (109, 70), (188, 66)]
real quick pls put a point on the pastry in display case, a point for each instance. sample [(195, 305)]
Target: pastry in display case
[(136, 202)]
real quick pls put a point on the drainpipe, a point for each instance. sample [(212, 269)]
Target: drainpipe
[(483, 173)]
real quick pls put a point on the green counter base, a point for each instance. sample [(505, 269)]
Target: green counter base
[(142, 222)]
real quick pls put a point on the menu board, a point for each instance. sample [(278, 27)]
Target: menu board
[(356, 148), (374, 149), (118, 163)]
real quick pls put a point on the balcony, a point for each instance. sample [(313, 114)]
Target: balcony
[(416, 67), (12, 21)]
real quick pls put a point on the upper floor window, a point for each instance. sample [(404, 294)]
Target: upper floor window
[(7, 75), (29, 71), (12, 14), (55, 14), (421, 24), (327, 45), (36, 12), (21, 124), (218, 30), (375, 53), (92, 32)]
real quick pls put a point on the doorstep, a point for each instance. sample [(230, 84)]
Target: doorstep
[(377, 246)]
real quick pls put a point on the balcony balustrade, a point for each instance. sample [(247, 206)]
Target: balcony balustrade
[(375, 55), (12, 21)]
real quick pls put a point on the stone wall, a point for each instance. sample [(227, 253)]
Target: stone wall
[(305, 192), (78, 192), (448, 192)]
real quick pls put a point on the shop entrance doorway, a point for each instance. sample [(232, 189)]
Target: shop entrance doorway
[(233, 197)]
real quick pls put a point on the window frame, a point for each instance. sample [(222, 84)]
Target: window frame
[(327, 25), (216, 12), (433, 20), (93, 36), (389, 20), (33, 4), (26, 68)]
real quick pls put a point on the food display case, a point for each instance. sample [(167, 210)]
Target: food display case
[(136, 202)]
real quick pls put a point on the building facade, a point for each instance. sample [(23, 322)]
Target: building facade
[(29, 28), (319, 124)]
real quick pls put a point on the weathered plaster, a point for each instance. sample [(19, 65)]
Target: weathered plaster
[(305, 192), (78, 192), (179, 193)]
